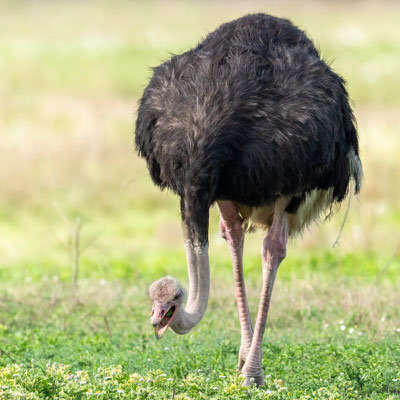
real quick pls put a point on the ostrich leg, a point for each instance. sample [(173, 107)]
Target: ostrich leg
[(273, 252), (232, 231)]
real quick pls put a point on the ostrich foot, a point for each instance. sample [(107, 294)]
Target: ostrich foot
[(253, 378), (242, 358), (243, 352), (252, 370)]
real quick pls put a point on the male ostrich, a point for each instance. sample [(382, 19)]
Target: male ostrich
[(253, 120)]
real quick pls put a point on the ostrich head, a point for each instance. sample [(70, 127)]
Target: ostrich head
[(167, 296)]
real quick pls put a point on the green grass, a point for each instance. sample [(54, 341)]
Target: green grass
[(351, 371), (336, 338), (72, 73)]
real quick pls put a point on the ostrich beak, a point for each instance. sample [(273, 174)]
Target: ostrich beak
[(160, 330), (161, 319)]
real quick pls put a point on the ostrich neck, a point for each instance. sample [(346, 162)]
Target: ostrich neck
[(199, 289)]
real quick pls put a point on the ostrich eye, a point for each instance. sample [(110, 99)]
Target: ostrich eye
[(177, 297)]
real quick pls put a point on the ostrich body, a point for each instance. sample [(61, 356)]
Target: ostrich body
[(253, 120)]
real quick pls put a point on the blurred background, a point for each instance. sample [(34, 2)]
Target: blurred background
[(77, 206)]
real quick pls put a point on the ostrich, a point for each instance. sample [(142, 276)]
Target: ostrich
[(253, 120)]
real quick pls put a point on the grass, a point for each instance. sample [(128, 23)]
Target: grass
[(336, 338), (353, 370), (61, 342), (72, 73)]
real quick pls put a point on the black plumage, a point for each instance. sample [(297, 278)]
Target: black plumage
[(250, 114)]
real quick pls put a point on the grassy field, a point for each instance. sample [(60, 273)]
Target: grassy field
[(74, 311)]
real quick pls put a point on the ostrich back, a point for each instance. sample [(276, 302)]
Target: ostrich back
[(249, 114)]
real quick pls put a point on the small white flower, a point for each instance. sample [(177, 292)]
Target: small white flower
[(268, 391), (326, 325), (282, 388), (360, 333), (208, 380), (16, 374), (89, 392), (163, 375), (215, 388), (141, 380), (83, 382), (170, 379), (268, 376), (5, 387), (383, 318), (351, 330), (398, 330), (120, 391), (148, 380), (252, 380), (342, 327), (341, 322), (222, 376), (342, 373)]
